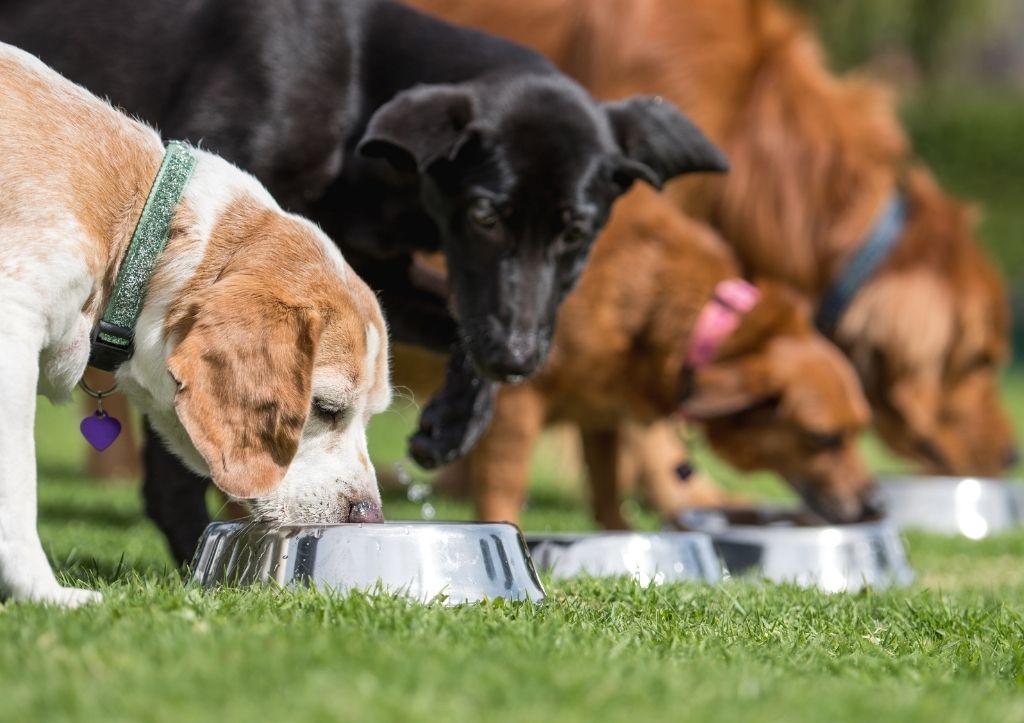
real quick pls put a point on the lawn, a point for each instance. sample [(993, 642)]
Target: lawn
[(950, 648)]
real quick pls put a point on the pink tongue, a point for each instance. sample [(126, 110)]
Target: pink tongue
[(100, 430)]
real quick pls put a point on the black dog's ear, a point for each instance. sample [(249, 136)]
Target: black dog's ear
[(420, 126), (659, 143)]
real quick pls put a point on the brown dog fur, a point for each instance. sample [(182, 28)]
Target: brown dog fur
[(813, 157), (618, 358)]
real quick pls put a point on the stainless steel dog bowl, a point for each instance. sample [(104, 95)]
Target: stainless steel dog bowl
[(463, 562), (646, 557), (785, 546), (969, 506)]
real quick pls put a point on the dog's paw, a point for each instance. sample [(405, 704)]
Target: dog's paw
[(448, 432), (66, 597), (456, 416), (440, 440)]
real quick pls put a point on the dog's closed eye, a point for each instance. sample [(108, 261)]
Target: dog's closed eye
[(328, 411), (826, 440), (982, 362)]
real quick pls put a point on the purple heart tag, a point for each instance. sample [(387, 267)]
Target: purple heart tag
[(100, 430)]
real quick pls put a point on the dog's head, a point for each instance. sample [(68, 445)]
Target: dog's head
[(267, 368), (930, 337), (519, 176), (779, 396)]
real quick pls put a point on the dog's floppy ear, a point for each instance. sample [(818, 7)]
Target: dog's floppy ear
[(244, 372), (658, 142), (722, 389), (420, 126)]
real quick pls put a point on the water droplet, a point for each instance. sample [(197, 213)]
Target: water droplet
[(427, 512), (419, 492), (403, 474)]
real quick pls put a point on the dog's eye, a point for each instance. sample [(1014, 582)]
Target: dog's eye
[(483, 214), (575, 235), (328, 411), (827, 441), (980, 362)]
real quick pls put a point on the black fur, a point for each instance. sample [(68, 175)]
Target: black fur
[(397, 133)]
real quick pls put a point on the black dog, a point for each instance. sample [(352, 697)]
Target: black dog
[(398, 133)]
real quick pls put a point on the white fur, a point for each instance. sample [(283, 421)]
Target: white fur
[(43, 331), (332, 470), (44, 287)]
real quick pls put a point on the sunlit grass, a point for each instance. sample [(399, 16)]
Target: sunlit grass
[(949, 648)]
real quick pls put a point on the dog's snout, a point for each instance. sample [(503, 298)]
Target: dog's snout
[(365, 511), (1012, 458), (843, 507), (874, 504), (512, 366), (514, 359)]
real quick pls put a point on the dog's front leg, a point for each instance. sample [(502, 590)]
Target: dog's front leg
[(175, 497), (25, 573), (456, 417), (601, 454)]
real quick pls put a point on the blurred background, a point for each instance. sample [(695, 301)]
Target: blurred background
[(959, 67)]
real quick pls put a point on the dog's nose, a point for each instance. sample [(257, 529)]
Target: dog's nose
[(1012, 458), (842, 508), (365, 511), (874, 504), (511, 370), (513, 364)]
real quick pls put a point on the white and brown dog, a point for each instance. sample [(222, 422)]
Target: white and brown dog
[(259, 355)]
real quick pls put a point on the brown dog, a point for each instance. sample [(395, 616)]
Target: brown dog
[(814, 159), (772, 394)]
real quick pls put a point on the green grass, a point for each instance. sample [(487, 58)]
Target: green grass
[(594, 651), (950, 648), (972, 140)]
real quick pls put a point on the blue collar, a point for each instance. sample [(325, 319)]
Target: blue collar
[(864, 263)]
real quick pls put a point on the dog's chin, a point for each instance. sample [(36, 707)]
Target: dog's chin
[(839, 509), (504, 362), (279, 511)]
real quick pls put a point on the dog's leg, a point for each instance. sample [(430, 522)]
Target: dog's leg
[(25, 573), (455, 417), (601, 454), (175, 498), (659, 452), (455, 480), (499, 466)]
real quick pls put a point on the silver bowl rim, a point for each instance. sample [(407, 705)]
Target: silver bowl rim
[(370, 526), (571, 537), (775, 534), (938, 481)]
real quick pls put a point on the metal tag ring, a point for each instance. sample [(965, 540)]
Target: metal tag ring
[(94, 393)]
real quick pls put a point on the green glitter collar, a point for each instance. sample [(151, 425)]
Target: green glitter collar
[(112, 339)]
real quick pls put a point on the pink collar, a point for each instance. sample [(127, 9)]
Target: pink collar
[(733, 298)]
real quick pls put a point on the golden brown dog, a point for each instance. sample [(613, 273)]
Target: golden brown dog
[(814, 157), (774, 394)]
